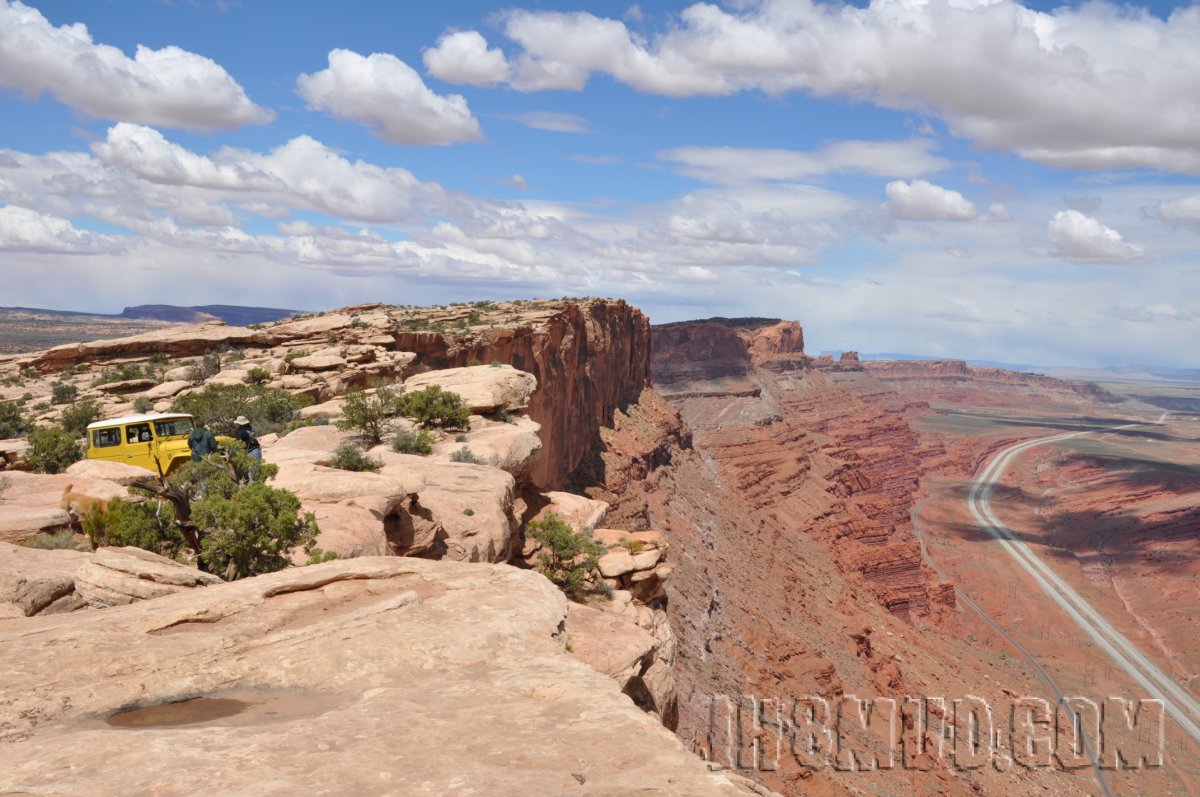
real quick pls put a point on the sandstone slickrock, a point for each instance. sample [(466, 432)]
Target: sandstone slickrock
[(115, 576), (34, 581), (376, 676), (167, 389), (512, 447), (483, 388)]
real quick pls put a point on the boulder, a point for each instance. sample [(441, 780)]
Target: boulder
[(483, 388), (115, 576), (167, 389), (327, 409), (485, 533), (577, 511), (184, 373), (229, 376), (512, 447), (639, 659), (309, 327), (126, 386), (37, 581), (31, 504), (107, 470), (12, 452), (318, 362), (375, 492), (372, 677), (311, 444)]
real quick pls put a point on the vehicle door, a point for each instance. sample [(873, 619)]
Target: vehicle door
[(139, 442)]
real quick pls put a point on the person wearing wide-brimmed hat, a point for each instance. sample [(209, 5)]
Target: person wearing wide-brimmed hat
[(246, 435)]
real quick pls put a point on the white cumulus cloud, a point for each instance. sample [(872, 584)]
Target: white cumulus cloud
[(464, 57), (742, 164), (1180, 212), (1082, 239), (24, 230), (170, 87), (387, 95), (1096, 86), (923, 201)]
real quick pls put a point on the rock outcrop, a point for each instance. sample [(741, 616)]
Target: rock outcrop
[(38, 582), (116, 576), (377, 676)]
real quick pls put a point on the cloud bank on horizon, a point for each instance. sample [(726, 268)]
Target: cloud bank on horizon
[(973, 179)]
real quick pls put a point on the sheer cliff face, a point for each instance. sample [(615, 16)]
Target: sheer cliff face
[(589, 359)]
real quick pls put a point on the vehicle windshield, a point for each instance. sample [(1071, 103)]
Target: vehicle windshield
[(172, 426)]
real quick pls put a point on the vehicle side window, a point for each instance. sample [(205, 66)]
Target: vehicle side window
[(175, 426), (103, 438), (137, 432)]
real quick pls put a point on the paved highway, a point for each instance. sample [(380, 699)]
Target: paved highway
[(1179, 703)]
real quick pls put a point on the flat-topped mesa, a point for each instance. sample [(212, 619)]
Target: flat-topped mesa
[(723, 350)]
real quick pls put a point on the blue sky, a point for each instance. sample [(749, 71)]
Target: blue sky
[(956, 178)]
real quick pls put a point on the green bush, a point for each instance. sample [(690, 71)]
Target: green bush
[(269, 409), (4, 483), (240, 526), (62, 393), (469, 512), (75, 418), (258, 376), (410, 442), (51, 450), (436, 408), (11, 422), (252, 531), (464, 455), (142, 404), (568, 558), (148, 525), (368, 414), (348, 456)]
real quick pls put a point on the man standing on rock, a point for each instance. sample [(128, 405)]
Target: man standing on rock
[(201, 441)]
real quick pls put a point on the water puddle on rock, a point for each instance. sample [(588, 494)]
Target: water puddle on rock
[(231, 708)]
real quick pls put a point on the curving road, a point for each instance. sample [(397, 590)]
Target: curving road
[(1179, 703)]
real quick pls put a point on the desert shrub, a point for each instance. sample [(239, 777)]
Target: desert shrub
[(634, 546), (407, 441), (147, 525), (464, 455), (141, 404), (76, 417), (51, 450), (318, 556), (159, 358), (11, 422), (4, 483), (269, 409), (62, 393), (123, 372), (251, 531), (368, 414), (258, 375), (348, 456), (469, 512), (436, 408), (240, 526), (61, 540), (568, 558), (461, 438), (210, 365), (294, 355)]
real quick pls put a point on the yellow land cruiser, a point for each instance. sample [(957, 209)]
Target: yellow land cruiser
[(157, 442)]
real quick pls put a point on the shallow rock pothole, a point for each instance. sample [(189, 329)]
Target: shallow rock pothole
[(230, 708)]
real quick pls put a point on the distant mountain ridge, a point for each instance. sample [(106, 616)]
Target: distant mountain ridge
[(230, 314), (32, 328), (1111, 373)]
